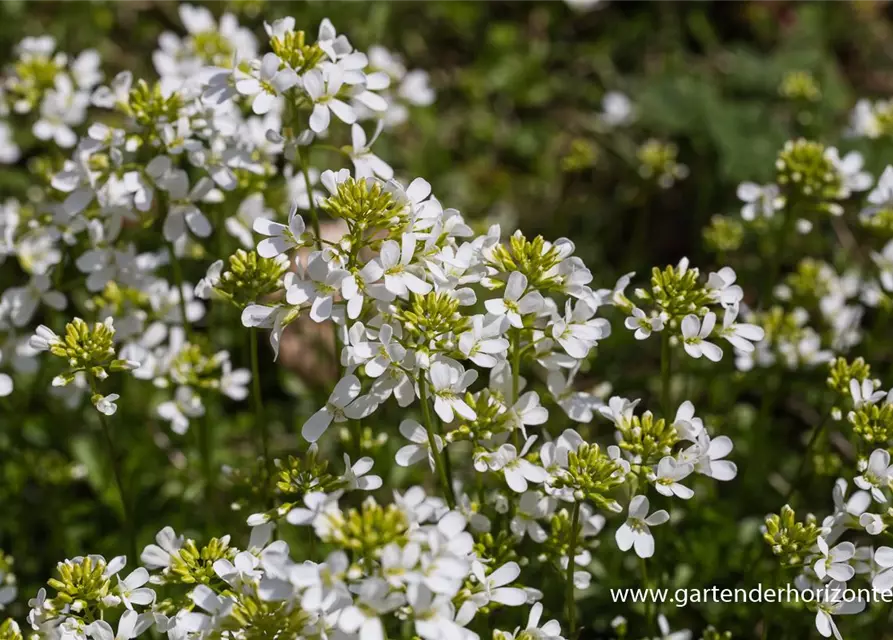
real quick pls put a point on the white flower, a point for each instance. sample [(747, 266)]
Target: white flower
[(106, 404), (185, 405), (550, 630), (356, 477), (824, 621), (872, 523), (578, 332), (850, 169), (250, 210), (643, 325), (578, 405), (343, 404), (834, 563), (739, 334), (130, 625), (532, 507), (665, 634), (876, 474), (723, 288), (421, 447), (517, 470), (707, 457), (316, 504), (269, 83), (364, 619), (448, 384), (584, 5), (43, 338), (234, 382), (159, 556), (864, 393), (366, 164), (883, 581), (483, 343), (389, 352), (667, 476), (516, 301), (394, 260), (281, 238), (322, 87), (24, 301), (635, 532), (433, 615), (617, 109), (694, 337), (320, 290), (526, 411), (760, 202), (182, 213), (132, 591), (491, 588)]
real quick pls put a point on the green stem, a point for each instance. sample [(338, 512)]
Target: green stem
[(260, 424), (787, 226), (644, 568), (314, 221), (516, 378), (177, 273), (118, 474), (202, 428), (314, 216), (665, 358), (817, 430), (571, 569), (445, 480)]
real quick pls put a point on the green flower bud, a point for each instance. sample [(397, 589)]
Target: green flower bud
[(367, 206), (537, 259), (82, 581), (800, 85), (841, 372), (293, 50), (300, 476), (9, 630), (148, 105), (592, 474), (249, 277), (432, 316), (191, 565), (724, 234), (647, 438), (367, 530), (677, 292), (873, 423), (804, 172), (658, 161), (790, 540)]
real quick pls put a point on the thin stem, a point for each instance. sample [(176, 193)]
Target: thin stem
[(772, 273), (817, 430), (259, 422), (665, 357), (314, 221), (202, 431), (445, 480), (118, 474), (644, 567), (516, 378), (571, 569), (314, 216), (177, 273)]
